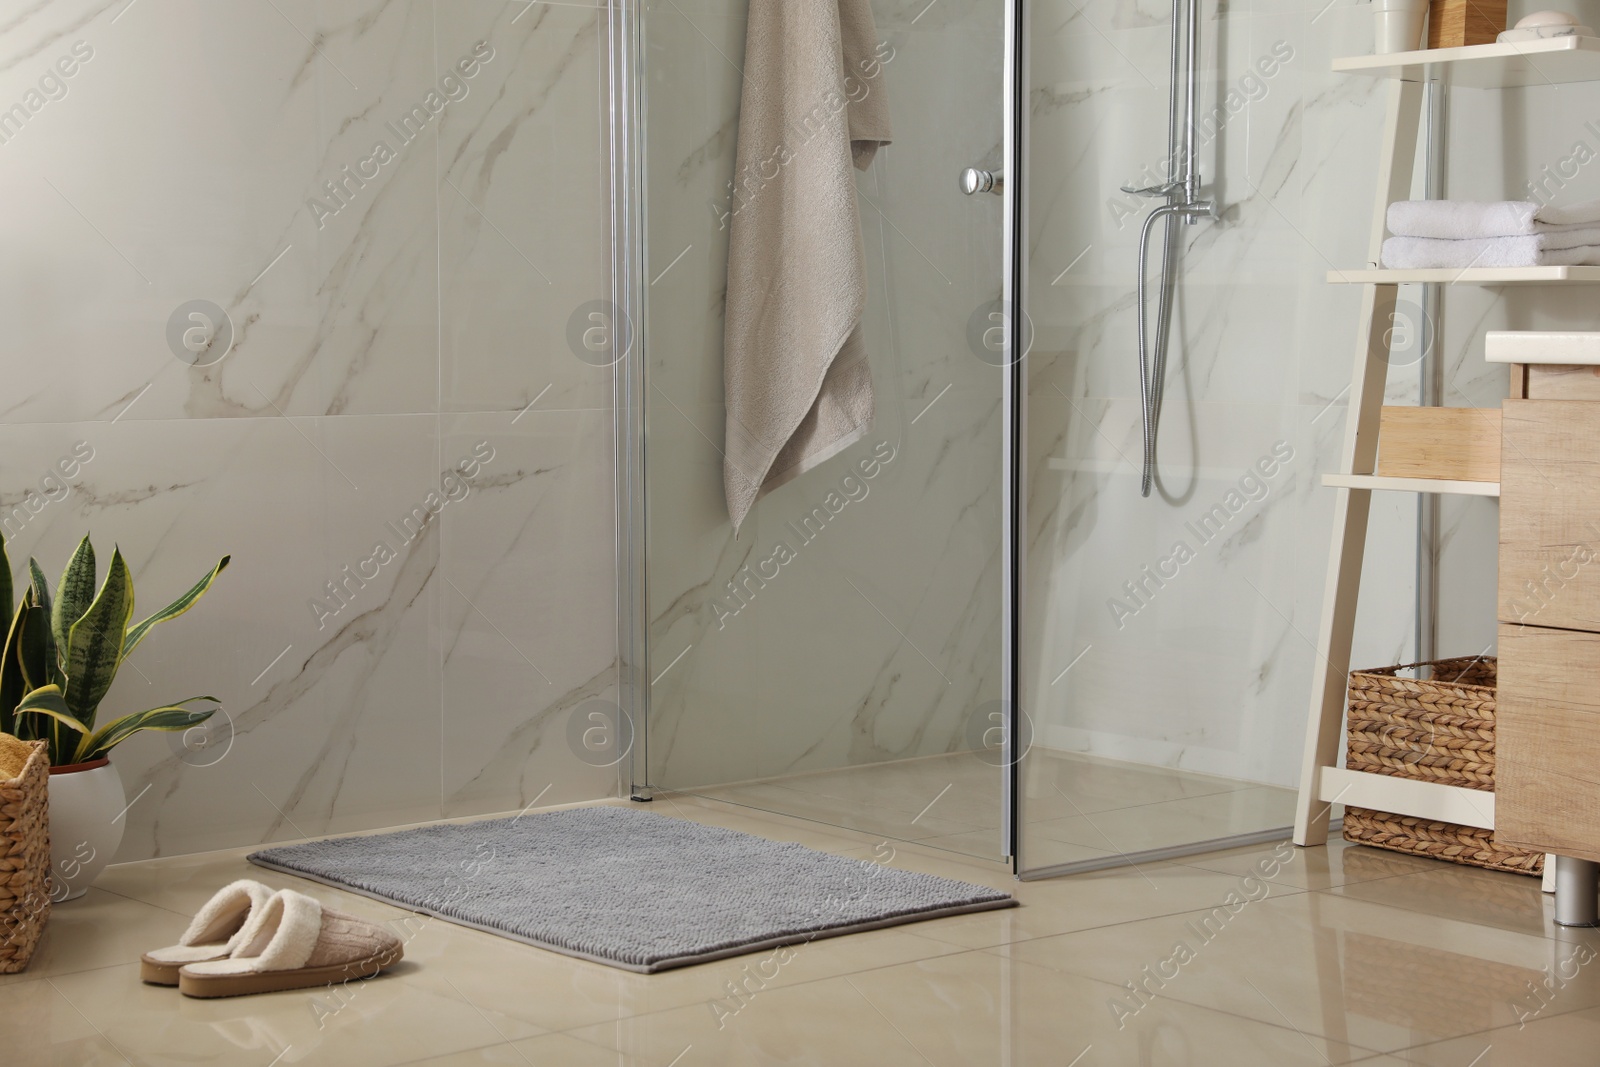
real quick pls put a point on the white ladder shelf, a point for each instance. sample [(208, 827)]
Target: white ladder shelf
[(1323, 782)]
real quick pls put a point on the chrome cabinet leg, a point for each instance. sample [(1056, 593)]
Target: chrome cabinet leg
[(1577, 892)]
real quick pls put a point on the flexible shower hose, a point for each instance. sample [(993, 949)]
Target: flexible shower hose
[(1153, 365)]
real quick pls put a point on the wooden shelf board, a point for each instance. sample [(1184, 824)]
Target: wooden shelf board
[(1410, 485), (1554, 61), (1474, 276)]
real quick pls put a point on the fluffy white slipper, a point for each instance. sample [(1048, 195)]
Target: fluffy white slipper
[(213, 935), (293, 942)]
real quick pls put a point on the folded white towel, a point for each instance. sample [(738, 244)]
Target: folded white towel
[(1536, 250), (1459, 220), (1526, 244)]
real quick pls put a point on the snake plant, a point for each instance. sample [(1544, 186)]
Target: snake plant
[(61, 656)]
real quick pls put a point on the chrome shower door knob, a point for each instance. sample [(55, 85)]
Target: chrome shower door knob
[(974, 181)]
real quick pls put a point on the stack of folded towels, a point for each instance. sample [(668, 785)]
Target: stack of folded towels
[(1431, 234)]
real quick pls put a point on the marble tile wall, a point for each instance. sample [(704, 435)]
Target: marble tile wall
[(379, 339)]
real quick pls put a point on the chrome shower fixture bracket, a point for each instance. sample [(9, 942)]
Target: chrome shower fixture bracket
[(1166, 189)]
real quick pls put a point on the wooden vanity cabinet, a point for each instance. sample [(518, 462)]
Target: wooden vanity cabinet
[(1547, 756)]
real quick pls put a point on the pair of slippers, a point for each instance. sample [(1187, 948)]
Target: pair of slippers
[(251, 939)]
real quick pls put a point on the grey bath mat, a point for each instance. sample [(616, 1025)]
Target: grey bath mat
[(638, 891)]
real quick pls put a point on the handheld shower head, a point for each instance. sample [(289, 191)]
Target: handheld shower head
[(1183, 202)]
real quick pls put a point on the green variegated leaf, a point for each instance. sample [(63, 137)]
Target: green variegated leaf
[(33, 642), (41, 596), (41, 587), (47, 701), (172, 718), (174, 609), (7, 594), (75, 593), (59, 659), (33, 654), (12, 686), (94, 642)]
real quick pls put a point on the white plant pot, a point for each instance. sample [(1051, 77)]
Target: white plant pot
[(86, 824)]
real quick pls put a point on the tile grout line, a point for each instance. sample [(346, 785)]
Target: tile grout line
[(1293, 891), (1363, 1051)]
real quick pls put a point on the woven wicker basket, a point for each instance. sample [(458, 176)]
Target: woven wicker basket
[(24, 860), (1434, 729)]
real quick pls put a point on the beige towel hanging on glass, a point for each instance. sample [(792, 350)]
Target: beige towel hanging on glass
[(798, 388)]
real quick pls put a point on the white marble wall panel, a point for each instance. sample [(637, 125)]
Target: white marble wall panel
[(523, 191), (181, 166), (375, 346), (330, 708), (527, 630)]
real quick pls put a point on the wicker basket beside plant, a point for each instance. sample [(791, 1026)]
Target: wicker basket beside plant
[(24, 860), (1438, 728)]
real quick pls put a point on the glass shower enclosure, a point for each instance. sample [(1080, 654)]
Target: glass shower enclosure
[(844, 658), (915, 639)]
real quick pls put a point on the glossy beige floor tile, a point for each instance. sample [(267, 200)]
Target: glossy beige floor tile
[(1570, 1039), (83, 1052), (97, 930), (552, 1050), (971, 1008), (42, 1019), (965, 1009), (1075, 807), (1345, 969), (1165, 825), (1086, 901), (892, 815), (920, 856), (1057, 785), (1336, 864), (824, 1023), (184, 883), (1327, 955), (976, 843), (1471, 894), (771, 825), (963, 785), (494, 974), (391, 1020)]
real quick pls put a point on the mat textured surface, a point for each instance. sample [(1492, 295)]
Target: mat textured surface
[(634, 890)]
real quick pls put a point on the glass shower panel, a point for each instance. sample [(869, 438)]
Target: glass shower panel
[(1168, 642), (840, 659)]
